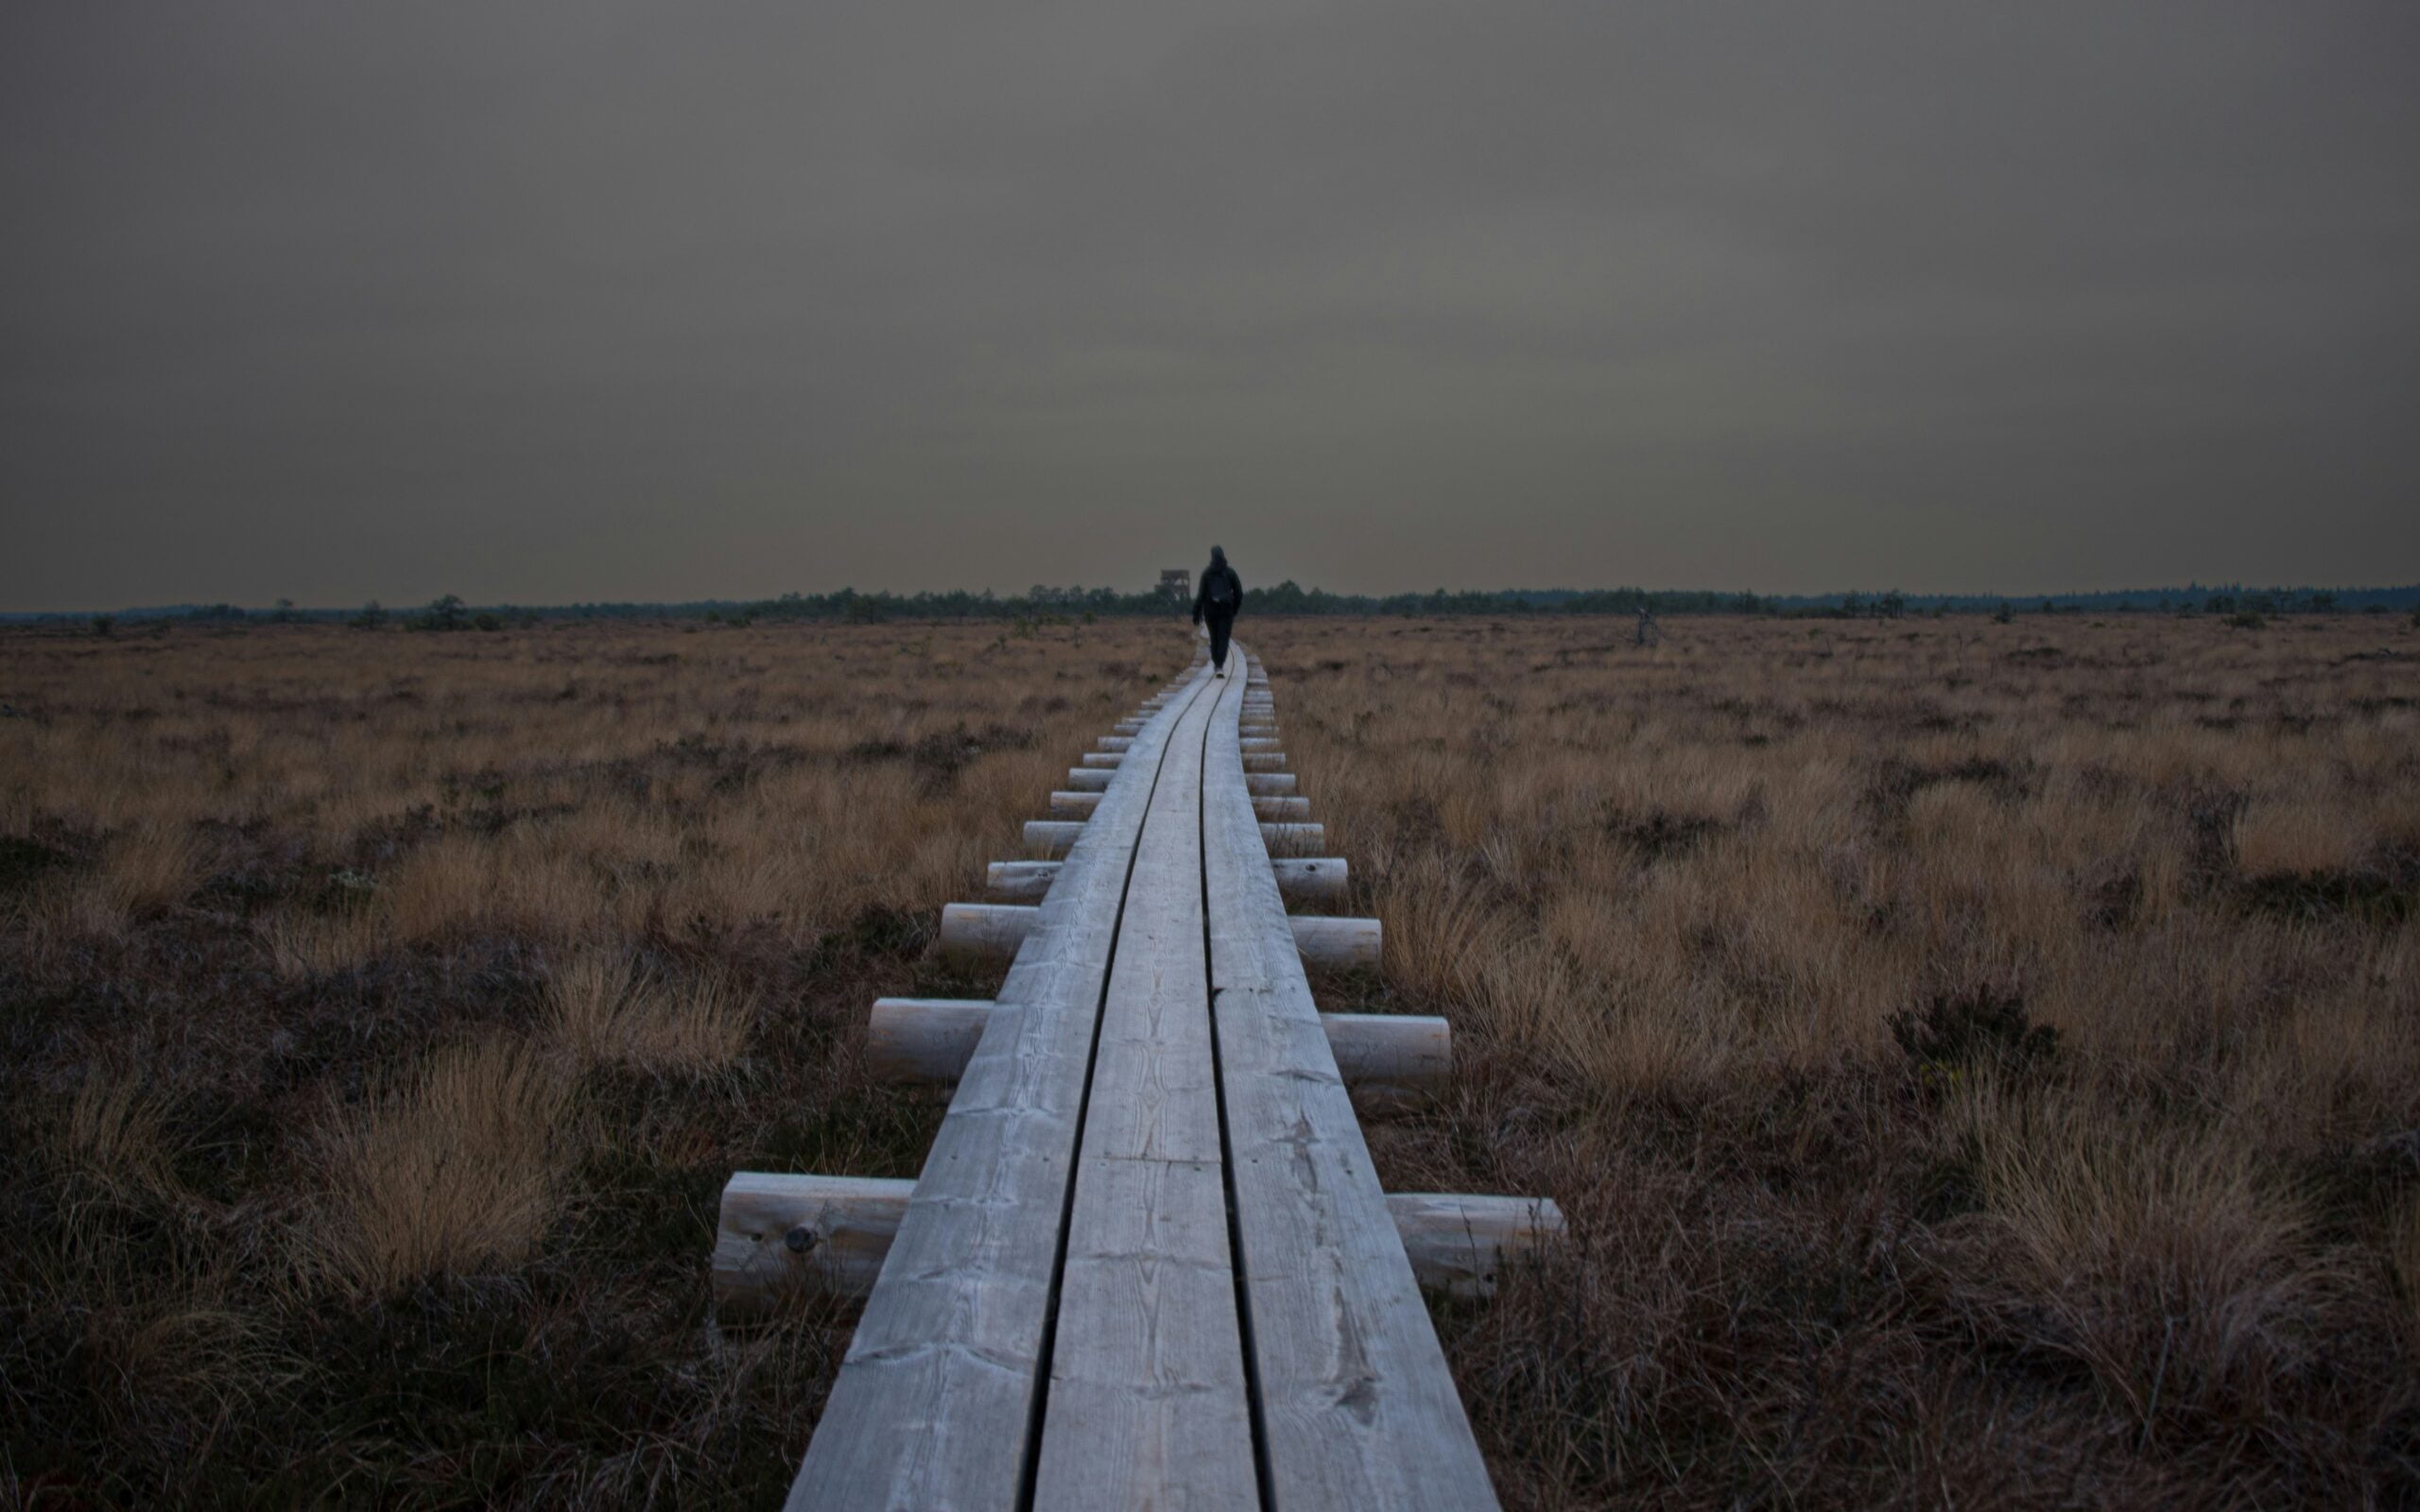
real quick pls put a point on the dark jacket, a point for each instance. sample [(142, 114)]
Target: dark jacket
[(1229, 594)]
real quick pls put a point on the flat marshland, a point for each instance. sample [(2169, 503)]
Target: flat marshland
[(1979, 1062)]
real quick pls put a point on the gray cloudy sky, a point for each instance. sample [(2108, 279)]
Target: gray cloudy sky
[(543, 302)]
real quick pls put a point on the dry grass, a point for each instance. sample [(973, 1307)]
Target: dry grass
[(602, 1009), (455, 1166), (1692, 908), (386, 1011), (117, 1138)]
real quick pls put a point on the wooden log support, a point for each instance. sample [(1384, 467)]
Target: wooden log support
[(1401, 1058), (1019, 882), (1108, 759), (1266, 760), (986, 933), (1310, 879), (1116, 744), (923, 1039), (1282, 808), (1391, 1062), (1069, 805), (1258, 747), (819, 1233), (1128, 727), (1288, 839), (1331, 944), (1269, 784), (1459, 1244), (1052, 838), (1088, 780)]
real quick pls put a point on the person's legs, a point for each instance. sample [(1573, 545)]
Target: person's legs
[(1220, 625)]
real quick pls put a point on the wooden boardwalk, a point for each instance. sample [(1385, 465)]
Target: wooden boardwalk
[(1148, 1263)]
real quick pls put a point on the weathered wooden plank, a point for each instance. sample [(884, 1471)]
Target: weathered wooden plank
[(1146, 1404), (1356, 1406), (935, 1403)]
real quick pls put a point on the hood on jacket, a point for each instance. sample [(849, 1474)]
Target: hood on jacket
[(1218, 556)]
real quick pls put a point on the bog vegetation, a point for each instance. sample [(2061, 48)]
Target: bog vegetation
[(1980, 1062)]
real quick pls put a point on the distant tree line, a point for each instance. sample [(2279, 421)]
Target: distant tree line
[(1045, 604)]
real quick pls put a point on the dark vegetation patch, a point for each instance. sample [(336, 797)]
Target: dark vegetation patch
[(2210, 814), (940, 756), (2047, 657), (24, 862), (1893, 783), (2355, 1192), (1660, 835), (1980, 1028), (2380, 898), (2112, 902)]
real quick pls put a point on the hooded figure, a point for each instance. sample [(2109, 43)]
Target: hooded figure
[(1221, 595)]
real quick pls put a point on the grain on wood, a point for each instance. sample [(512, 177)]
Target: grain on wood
[(1146, 1404), (934, 1402), (1358, 1408)]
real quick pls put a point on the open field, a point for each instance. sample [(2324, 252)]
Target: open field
[(1980, 1062)]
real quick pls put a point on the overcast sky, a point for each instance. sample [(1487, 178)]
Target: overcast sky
[(552, 302)]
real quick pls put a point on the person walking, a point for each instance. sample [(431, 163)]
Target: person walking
[(1222, 593)]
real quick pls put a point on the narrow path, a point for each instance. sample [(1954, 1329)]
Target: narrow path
[(1148, 1263)]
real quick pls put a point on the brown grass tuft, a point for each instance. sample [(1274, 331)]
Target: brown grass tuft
[(601, 1008), (116, 1136), (454, 1166)]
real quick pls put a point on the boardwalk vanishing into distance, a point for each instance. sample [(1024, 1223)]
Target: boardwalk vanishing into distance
[(1148, 1263)]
